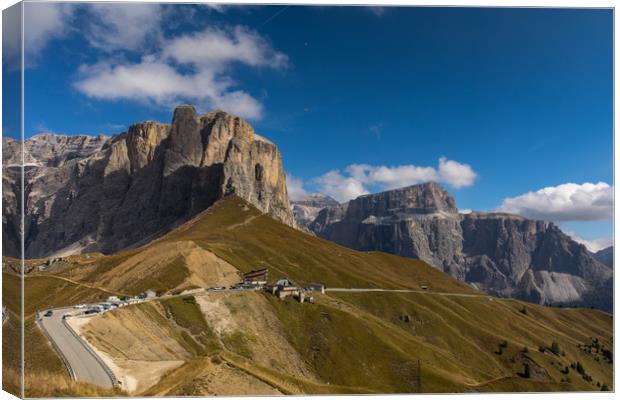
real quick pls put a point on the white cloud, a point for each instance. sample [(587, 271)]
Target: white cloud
[(123, 26), (592, 245), (109, 26), (148, 79), (44, 22), (11, 39), (566, 202), (455, 174), (159, 78), (192, 67), (340, 187), (465, 210), (392, 177), (295, 187), (216, 47), (359, 177), (221, 8)]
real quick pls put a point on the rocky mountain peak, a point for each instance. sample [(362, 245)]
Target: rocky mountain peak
[(315, 200), (86, 193), (307, 207), (504, 254), (51, 149), (422, 199)]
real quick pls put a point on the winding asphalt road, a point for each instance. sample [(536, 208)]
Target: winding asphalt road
[(85, 366)]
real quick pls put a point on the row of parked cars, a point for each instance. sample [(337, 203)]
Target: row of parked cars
[(112, 303)]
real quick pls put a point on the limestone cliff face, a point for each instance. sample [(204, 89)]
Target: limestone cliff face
[(307, 207), (503, 254), (11, 195), (106, 194), (49, 149)]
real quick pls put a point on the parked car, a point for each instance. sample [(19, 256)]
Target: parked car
[(49, 313), (79, 306)]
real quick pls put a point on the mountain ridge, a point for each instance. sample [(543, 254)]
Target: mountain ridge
[(89, 193), (504, 254), (465, 340), (605, 256)]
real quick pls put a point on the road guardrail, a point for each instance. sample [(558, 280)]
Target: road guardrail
[(108, 371), (56, 348)]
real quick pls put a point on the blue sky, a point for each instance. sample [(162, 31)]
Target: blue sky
[(495, 104)]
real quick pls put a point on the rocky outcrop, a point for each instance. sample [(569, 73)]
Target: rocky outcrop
[(11, 196), (307, 207), (50, 150), (605, 256), (502, 254), (108, 193)]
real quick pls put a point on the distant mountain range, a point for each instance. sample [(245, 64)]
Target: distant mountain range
[(106, 194), (307, 207), (347, 342), (503, 254), (86, 193)]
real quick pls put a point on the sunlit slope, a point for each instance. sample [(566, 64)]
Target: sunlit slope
[(346, 342), (45, 374), (238, 233), (232, 237), (478, 342), (357, 343)]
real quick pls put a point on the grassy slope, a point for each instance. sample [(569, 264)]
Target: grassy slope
[(42, 292), (469, 331), (356, 342), (455, 337), (185, 313), (241, 235), (44, 369), (11, 345)]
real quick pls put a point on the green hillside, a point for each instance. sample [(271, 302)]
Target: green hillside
[(238, 233), (371, 342)]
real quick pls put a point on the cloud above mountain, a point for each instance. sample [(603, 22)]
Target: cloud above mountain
[(135, 58), (295, 187), (43, 22), (566, 202), (123, 26), (360, 179), (192, 67), (340, 187)]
